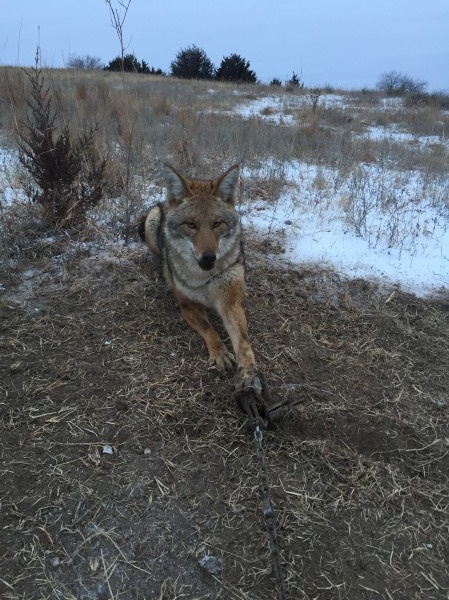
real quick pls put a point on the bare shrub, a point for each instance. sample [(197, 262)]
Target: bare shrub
[(395, 83), (85, 63), (118, 19)]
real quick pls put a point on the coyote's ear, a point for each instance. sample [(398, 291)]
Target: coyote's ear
[(226, 185), (177, 186)]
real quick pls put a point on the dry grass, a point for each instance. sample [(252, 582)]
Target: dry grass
[(93, 354), (162, 112), (149, 120)]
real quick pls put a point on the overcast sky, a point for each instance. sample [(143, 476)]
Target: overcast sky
[(344, 43)]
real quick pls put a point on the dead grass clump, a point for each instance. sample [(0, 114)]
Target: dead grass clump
[(21, 228), (267, 111), (267, 189), (161, 106), (13, 94), (103, 92), (81, 90), (427, 120), (366, 97)]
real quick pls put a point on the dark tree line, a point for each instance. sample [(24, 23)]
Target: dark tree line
[(190, 63), (132, 65), (193, 63)]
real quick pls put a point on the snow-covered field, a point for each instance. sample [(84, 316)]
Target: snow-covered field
[(352, 229), (374, 223)]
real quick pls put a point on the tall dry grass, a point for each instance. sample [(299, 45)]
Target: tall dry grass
[(144, 121)]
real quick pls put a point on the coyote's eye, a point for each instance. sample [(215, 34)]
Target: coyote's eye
[(216, 224), (191, 225)]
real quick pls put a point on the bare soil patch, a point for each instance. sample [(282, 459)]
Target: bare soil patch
[(124, 461)]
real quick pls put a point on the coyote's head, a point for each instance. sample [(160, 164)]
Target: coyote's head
[(201, 216)]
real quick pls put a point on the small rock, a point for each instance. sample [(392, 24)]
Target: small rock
[(211, 564), (94, 564)]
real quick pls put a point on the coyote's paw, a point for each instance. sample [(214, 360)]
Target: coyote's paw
[(249, 379), (221, 360)]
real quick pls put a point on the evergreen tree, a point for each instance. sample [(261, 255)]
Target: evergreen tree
[(294, 82), (130, 65), (68, 172), (235, 68), (192, 63)]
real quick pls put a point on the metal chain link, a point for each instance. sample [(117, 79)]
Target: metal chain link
[(270, 521)]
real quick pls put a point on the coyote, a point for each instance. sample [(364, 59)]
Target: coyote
[(198, 237)]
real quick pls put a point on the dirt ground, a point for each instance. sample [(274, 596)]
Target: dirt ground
[(128, 473)]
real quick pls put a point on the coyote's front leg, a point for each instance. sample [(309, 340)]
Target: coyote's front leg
[(196, 316), (230, 308)]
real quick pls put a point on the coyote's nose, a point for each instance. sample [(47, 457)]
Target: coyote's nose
[(207, 261)]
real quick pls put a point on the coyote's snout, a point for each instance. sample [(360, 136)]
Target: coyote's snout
[(207, 260), (198, 236)]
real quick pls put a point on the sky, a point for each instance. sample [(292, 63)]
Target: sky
[(347, 44)]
